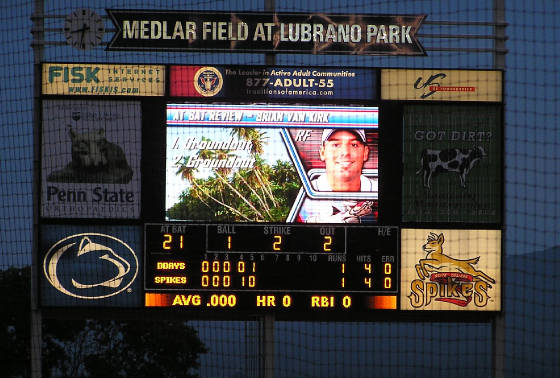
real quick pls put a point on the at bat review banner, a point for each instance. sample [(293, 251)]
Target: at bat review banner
[(259, 154)]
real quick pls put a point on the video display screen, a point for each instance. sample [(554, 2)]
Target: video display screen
[(272, 163)]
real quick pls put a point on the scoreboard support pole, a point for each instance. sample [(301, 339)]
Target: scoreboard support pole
[(267, 347), (38, 42), (498, 324)]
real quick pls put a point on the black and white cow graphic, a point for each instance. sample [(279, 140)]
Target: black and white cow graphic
[(456, 160)]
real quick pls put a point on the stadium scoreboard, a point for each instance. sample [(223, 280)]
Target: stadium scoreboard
[(235, 190), (288, 267)]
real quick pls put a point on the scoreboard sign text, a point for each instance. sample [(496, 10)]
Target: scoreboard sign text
[(316, 33)]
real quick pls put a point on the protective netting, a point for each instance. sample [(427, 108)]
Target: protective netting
[(111, 340)]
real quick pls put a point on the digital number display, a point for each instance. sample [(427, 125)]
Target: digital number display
[(287, 267)]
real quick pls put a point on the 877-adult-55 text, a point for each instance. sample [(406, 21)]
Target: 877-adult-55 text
[(289, 83)]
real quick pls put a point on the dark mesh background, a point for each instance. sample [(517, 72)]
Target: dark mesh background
[(438, 346)]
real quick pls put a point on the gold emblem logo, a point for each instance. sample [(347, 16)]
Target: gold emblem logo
[(208, 81)]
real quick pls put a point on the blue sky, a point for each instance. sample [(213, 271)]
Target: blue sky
[(532, 78)]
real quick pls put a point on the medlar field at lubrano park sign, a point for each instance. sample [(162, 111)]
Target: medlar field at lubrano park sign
[(315, 33)]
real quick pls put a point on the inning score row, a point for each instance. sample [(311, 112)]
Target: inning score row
[(250, 260)]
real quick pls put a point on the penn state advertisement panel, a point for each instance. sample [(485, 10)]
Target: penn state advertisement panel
[(91, 153)]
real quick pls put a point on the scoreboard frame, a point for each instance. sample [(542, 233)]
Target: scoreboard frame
[(391, 165)]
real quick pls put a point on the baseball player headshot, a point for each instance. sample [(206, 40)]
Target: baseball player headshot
[(344, 152)]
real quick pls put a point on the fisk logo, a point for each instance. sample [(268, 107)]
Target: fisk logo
[(449, 280), (90, 266), (74, 74)]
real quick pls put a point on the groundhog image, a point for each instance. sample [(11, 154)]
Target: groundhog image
[(94, 160)]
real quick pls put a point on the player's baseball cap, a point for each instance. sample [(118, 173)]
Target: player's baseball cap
[(328, 132)]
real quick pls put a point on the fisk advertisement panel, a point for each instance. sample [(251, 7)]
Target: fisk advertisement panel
[(445, 269), (91, 159), (103, 79)]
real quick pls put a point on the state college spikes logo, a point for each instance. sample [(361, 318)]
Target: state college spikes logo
[(208, 81), (90, 266), (446, 279)]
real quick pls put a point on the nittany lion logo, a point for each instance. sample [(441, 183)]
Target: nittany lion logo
[(90, 266), (449, 279), (208, 81)]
